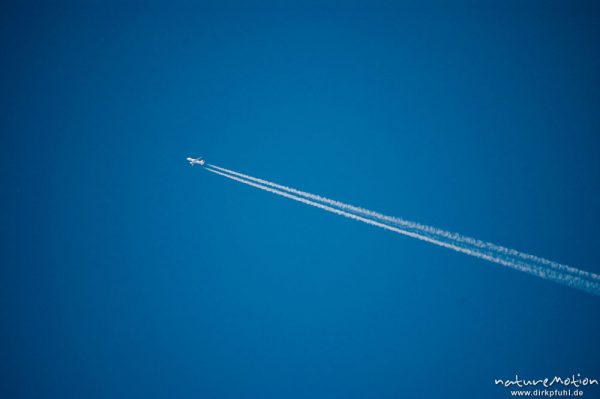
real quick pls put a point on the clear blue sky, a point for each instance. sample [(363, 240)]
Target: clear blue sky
[(126, 273)]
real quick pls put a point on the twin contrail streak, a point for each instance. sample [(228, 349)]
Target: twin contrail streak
[(456, 238), (540, 267)]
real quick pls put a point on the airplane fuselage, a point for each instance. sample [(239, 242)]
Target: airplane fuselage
[(196, 161)]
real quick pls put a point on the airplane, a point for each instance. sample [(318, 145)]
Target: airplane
[(196, 161)]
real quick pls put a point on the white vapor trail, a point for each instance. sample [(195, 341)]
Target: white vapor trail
[(457, 239), (570, 277)]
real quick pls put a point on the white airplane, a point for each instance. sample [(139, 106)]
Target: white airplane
[(196, 161)]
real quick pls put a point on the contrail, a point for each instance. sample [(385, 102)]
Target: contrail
[(457, 239), (575, 281)]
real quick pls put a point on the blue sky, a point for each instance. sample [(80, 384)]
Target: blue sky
[(126, 273)]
